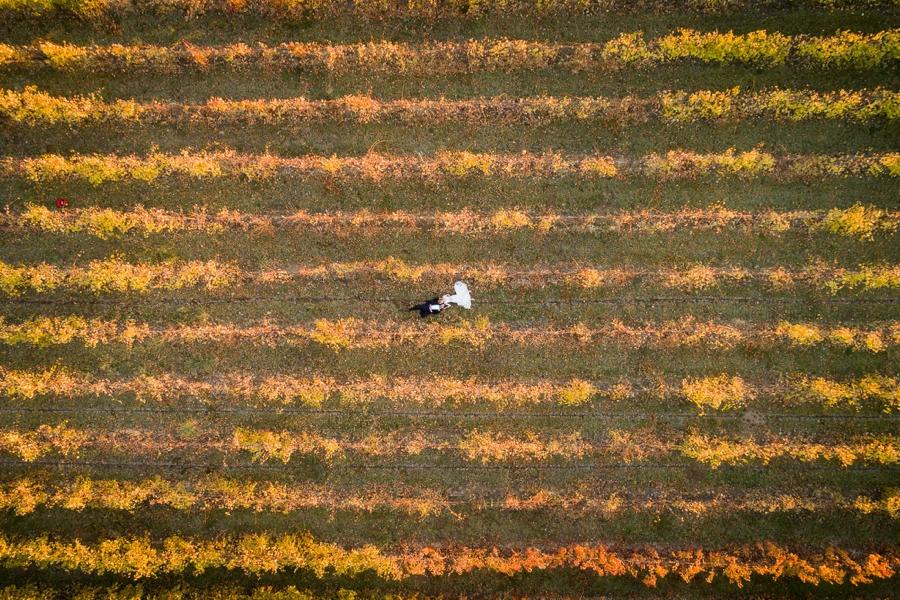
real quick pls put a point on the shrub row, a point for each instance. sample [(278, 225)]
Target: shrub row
[(24, 495), (97, 169), (265, 445), (183, 591), (39, 108), (790, 105), (114, 275), (31, 445), (844, 50), (858, 221), (716, 451), (352, 333), (139, 558), (102, 10), (484, 447), (718, 392)]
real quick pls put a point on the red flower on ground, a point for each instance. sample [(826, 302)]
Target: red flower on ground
[(61, 203)]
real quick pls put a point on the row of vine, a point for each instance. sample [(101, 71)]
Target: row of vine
[(38, 108), (353, 333), (114, 275), (715, 392), (97, 169), (843, 49), (139, 558), (862, 222), (637, 445), (24, 495)]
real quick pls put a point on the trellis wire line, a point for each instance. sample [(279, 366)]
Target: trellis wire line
[(493, 498), (547, 302), (597, 219), (439, 414), (415, 466)]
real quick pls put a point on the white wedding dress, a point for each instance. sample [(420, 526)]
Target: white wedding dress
[(460, 297)]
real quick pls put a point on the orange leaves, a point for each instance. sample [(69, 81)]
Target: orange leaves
[(31, 445), (214, 492), (492, 447), (627, 50), (265, 445), (475, 333), (599, 166), (352, 333), (98, 169), (586, 278), (637, 445), (464, 164), (337, 335), (140, 558), (876, 566), (484, 447), (114, 275), (26, 385), (716, 451), (577, 392), (851, 393), (719, 392)]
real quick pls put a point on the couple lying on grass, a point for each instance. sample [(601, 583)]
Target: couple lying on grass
[(460, 297)]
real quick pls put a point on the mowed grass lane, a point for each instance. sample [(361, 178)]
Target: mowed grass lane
[(354, 139), (220, 29)]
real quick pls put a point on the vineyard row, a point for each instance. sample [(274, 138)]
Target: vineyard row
[(39, 108), (114, 275), (139, 558), (717, 392), (844, 50), (97, 169), (103, 10), (484, 447), (353, 333), (183, 591), (859, 221), (210, 493)]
